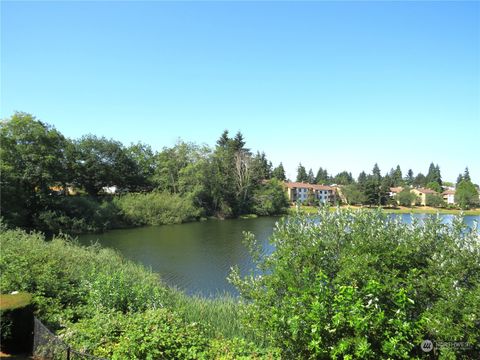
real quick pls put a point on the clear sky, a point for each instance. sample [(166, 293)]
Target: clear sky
[(340, 85)]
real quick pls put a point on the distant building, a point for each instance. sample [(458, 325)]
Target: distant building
[(422, 194), (298, 191), (394, 191), (449, 196), (111, 190), (60, 190)]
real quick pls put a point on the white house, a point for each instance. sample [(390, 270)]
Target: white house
[(449, 196), (298, 191)]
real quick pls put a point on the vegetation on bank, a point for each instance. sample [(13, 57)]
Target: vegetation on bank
[(390, 210), (100, 303), (356, 284), (55, 184), (340, 284)]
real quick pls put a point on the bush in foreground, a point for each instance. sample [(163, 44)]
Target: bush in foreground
[(359, 285)]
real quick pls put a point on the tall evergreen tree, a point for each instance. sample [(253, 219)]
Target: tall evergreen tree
[(409, 178), (310, 177), (224, 139), (302, 175), (343, 178), (279, 173), (362, 178), (397, 176), (420, 180), (459, 179), (433, 175), (438, 175), (376, 172), (261, 167), (239, 142), (322, 176)]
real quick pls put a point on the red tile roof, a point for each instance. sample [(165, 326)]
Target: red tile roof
[(396, 189), (449, 192), (426, 191), (293, 185)]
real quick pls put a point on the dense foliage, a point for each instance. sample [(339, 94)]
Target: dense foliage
[(360, 285), (107, 306), (406, 197), (466, 195), (41, 170), (156, 208)]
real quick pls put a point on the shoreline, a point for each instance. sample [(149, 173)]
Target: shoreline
[(399, 210)]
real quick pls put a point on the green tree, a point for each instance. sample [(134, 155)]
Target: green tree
[(362, 179), (433, 175), (101, 162), (433, 185), (301, 174), (261, 167), (466, 195), (230, 181), (406, 197), (354, 194), (352, 284), (420, 180), (270, 198), (322, 176), (396, 176), (377, 175), (310, 177), (376, 188), (33, 159), (464, 176), (144, 159), (434, 200), (409, 179), (343, 178), (279, 173)]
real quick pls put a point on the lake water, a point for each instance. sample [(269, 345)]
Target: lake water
[(196, 257)]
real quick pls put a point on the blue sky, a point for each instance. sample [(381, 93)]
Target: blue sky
[(340, 85)]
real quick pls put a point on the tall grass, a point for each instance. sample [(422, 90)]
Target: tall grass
[(70, 282)]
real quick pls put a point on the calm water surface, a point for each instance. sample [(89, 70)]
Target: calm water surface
[(197, 257)]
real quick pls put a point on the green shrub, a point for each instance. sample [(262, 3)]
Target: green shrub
[(434, 200), (270, 199), (356, 285), (156, 208), (70, 282), (77, 214), (406, 198), (153, 334)]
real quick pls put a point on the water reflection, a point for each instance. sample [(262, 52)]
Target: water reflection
[(197, 257)]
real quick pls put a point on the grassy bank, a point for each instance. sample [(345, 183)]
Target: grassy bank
[(398, 210), (100, 303)]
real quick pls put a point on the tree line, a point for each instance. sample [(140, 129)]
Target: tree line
[(374, 189), (38, 163), (179, 183)]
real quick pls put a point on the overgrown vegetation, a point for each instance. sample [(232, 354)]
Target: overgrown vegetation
[(349, 284), (156, 208), (41, 170), (340, 284), (103, 304)]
